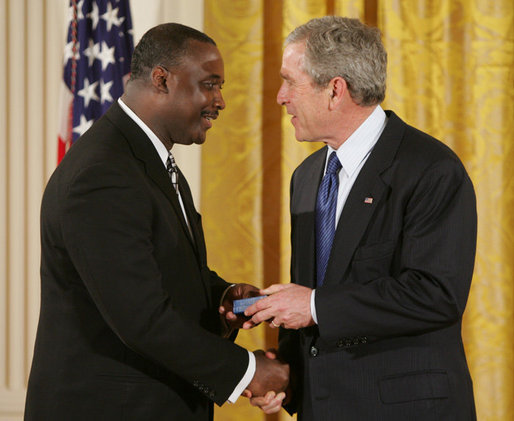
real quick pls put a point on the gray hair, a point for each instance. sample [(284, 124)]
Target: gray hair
[(345, 47)]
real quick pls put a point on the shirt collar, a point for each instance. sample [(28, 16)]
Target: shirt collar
[(159, 146), (358, 146)]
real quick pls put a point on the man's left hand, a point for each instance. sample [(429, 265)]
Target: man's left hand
[(287, 305), (269, 403)]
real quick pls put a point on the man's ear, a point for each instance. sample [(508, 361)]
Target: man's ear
[(161, 79), (337, 90)]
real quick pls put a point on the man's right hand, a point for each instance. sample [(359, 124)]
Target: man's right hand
[(270, 375)]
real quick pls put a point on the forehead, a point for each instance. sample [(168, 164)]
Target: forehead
[(294, 51), (203, 58), (293, 60)]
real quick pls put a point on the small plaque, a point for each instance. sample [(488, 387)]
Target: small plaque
[(241, 305)]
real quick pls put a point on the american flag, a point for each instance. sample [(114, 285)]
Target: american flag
[(96, 64)]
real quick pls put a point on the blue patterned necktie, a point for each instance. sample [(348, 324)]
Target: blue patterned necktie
[(326, 205)]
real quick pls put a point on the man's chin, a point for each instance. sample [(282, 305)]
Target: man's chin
[(200, 140), (303, 139), (299, 136)]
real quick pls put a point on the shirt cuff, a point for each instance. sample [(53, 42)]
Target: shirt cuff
[(245, 381), (313, 307)]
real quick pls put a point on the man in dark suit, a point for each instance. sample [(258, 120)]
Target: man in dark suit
[(129, 326), (383, 233)]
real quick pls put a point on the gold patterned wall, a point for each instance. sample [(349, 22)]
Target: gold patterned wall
[(450, 73)]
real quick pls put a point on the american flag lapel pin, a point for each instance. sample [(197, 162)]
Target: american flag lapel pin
[(368, 200)]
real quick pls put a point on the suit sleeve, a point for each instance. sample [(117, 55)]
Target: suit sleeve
[(433, 261), (107, 226)]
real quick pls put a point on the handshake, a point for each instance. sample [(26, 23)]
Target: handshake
[(270, 384), (285, 305)]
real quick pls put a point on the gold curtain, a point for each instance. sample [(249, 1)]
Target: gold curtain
[(450, 73)]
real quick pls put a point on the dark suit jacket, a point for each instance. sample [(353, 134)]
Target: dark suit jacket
[(129, 328), (388, 344)]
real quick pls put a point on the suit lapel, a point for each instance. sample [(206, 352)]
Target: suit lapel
[(144, 151), (303, 208), (370, 186), (192, 216)]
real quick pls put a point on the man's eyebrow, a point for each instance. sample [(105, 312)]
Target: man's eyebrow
[(215, 76)]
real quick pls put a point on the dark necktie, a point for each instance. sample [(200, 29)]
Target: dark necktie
[(326, 205), (171, 166)]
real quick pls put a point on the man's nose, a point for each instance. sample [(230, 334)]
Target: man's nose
[(281, 95), (219, 102)]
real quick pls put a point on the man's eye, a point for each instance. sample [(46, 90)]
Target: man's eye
[(212, 85)]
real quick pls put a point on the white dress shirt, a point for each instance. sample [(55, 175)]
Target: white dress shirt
[(353, 154), (159, 146), (163, 154)]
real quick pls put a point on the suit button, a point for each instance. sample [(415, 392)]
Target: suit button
[(314, 351), (364, 340), (340, 344)]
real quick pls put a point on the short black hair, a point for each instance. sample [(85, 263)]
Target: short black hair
[(164, 44)]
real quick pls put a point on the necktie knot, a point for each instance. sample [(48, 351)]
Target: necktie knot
[(333, 165)]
